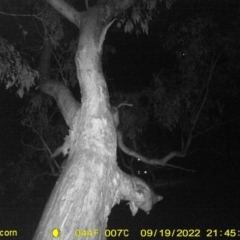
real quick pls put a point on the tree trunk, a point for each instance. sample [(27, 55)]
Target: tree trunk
[(91, 182)]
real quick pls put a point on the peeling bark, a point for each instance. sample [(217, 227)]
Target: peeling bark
[(91, 182)]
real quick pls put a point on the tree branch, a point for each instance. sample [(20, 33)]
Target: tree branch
[(63, 96), (66, 11), (157, 162)]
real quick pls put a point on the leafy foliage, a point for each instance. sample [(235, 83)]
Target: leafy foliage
[(189, 97), (14, 70), (142, 13)]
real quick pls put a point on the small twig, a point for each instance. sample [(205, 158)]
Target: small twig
[(61, 71), (124, 104), (23, 15), (44, 143), (37, 149), (217, 125)]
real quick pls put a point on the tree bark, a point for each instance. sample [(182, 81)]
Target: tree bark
[(91, 182)]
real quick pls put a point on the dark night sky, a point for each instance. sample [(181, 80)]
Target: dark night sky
[(137, 58)]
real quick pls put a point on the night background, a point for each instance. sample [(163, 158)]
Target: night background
[(181, 73)]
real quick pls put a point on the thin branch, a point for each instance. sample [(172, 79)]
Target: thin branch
[(44, 143), (124, 104), (157, 162), (189, 138), (217, 125), (30, 146), (214, 62), (46, 148), (23, 15), (56, 110), (61, 70), (209, 149)]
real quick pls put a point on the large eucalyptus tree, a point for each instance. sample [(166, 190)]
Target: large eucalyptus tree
[(91, 183)]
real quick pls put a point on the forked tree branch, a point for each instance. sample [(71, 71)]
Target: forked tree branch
[(163, 161), (152, 161)]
